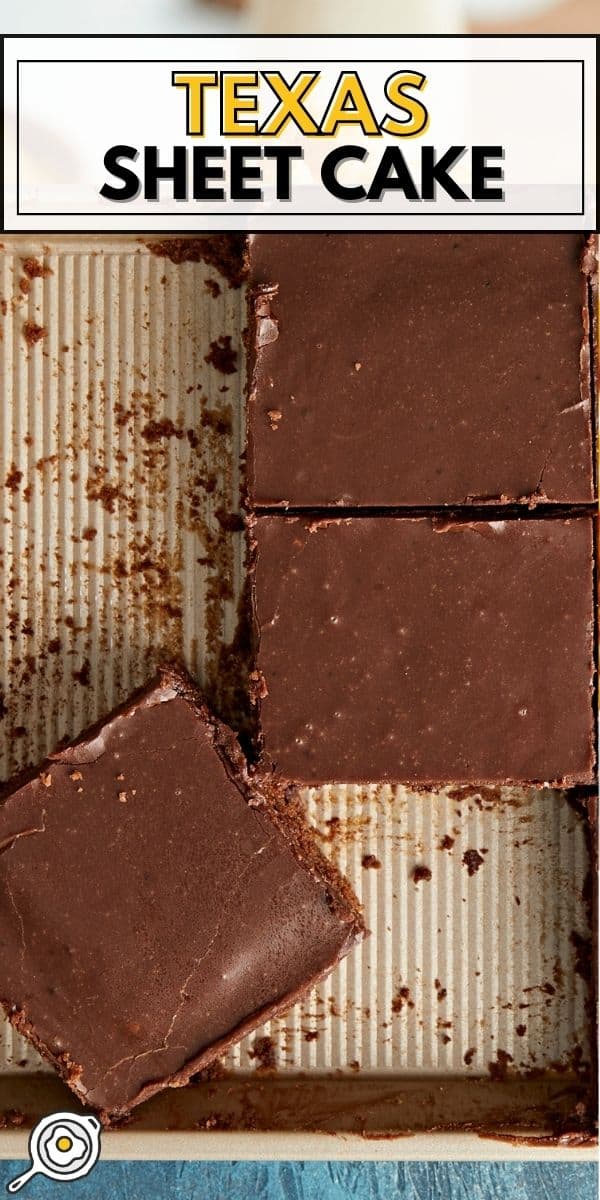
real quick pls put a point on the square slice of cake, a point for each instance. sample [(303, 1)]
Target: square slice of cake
[(420, 370), (426, 651), (155, 904)]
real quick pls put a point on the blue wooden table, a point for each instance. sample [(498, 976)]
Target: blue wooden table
[(320, 1181)]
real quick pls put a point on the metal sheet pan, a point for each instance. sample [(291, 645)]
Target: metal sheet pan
[(120, 444)]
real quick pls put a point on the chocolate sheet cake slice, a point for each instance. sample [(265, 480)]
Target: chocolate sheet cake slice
[(420, 370), (156, 904), (426, 651)]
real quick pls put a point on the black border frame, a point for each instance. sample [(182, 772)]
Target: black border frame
[(250, 37)]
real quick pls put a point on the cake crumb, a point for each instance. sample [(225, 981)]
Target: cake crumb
[(472, 861), (82, 676), (370, 861), (32, 332), (13, 479), (222, 356), (35, 269), (274, 415), (12, 1119), (263, 1051), (421, 874), (402, 1000), (499, 1069), (442, 992)]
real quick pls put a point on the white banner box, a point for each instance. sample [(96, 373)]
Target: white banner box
[(168, 134)]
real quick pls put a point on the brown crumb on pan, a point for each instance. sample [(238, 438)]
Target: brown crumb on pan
[(263, 1051), (274, 415), (218, 420), (101, 488), (82, 675), (11, 1119), (222, 355), (472, 861), (583, 954), (224, 251), (32, 332), (231, 522), (421, 873), (402, 1000), (334, 828), (157, 430), (215, 1121), (35, 269), (369, 861), (499, 1069), (442, 992), (13, 479), (546, 987)]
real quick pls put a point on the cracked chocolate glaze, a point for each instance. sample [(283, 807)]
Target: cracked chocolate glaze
[(424, 652), (420, 369), (154, 905)]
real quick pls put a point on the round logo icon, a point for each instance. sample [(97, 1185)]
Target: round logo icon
[(63, 1146)]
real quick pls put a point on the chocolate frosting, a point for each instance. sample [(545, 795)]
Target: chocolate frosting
[(425, 652), (419, 369)]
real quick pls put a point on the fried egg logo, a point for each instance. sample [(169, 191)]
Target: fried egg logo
[(63, 1146)]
